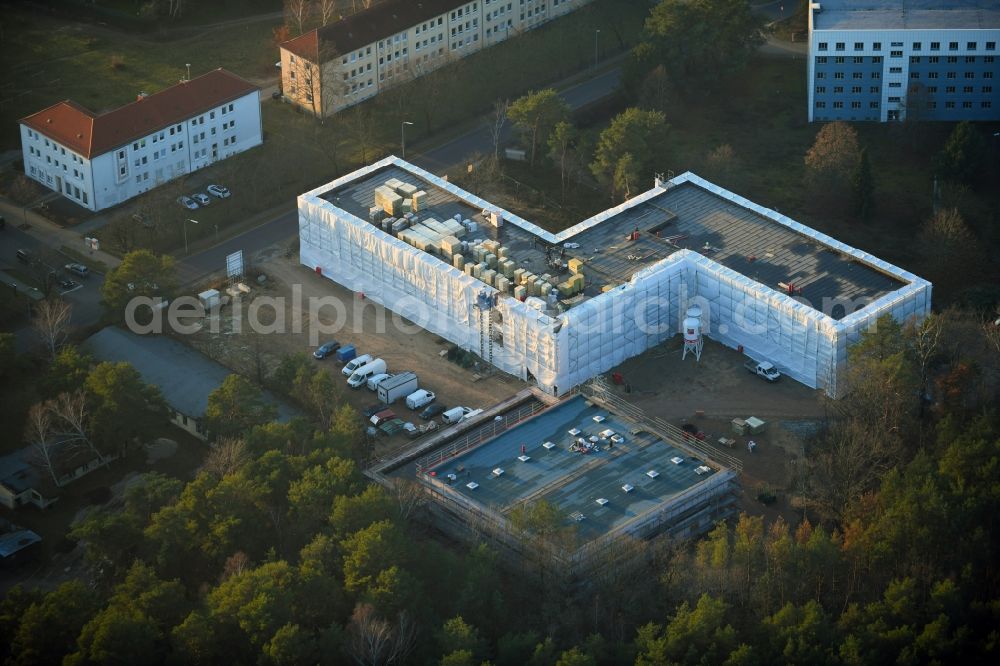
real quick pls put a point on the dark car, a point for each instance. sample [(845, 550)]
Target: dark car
[(372, 410), (432, 410), (327, 349), (66, 284)]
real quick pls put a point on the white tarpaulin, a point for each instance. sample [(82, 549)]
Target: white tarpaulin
[(562, 351)]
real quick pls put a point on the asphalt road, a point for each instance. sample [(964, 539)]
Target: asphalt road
[(451, 153)]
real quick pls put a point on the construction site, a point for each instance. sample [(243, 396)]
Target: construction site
[(558, 309)]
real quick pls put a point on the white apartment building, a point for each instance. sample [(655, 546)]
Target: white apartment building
[(100, 160), (343, 63), (891, 60)]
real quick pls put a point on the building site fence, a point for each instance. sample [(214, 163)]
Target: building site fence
[(598, 390), (485, 432)]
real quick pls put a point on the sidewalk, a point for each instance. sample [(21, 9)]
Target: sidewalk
[(49, 233)]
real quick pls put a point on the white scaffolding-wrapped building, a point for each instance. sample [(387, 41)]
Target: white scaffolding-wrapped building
[(783, 292)]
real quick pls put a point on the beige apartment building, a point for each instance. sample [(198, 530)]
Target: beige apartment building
[(331, 68)]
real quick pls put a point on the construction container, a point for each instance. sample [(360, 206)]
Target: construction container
[(458, 261), (575, 265), (488, 276), (755, 425), (520, 293), (419, 200), (502, 284)]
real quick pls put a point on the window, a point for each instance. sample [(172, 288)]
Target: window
[(988, 59), (970, 75), (858, 75), (821, 60), (855, 89), (932, 75), (838, 75), (859, 46), (877, 59), (872, 105), (917, 46), (970, 59), (840, 46), (951, 75), (952, 46), (952, 60), (914, 59), (876, 75), (935, 46), (949, 105), (895, 70), (934, 60), (820, 90), (822, 46), (897, 45), (895, 84), (858, 60), (838, 105), (838, 89), (966, 105), (877, 46), (820, 75), (949, 89), (967, 89), (895, 54), (855, 105), (838, 60), (991, 46), (932, 89), (971, 46), (986, 89), (986, 105), (894, 99), (987, 75)]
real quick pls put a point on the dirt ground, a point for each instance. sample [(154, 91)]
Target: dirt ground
[(367, 326), (710, 393)]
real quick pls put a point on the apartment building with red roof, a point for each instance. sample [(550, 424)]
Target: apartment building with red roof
[(99, 160), (348, 61)]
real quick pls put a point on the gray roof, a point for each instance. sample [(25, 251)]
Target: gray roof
[(184, 375), (16, 471), (12, 542), (907, 15)]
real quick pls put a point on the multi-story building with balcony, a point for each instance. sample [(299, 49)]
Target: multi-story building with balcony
[(346, 62), (887, 60), (100, 160)]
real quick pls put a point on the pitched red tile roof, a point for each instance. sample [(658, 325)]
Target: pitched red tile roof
[(368, 26), (90, 134)]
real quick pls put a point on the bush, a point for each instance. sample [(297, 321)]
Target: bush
[(117, 62), (765, 495)]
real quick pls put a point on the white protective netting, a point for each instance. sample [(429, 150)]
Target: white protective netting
[(562, 351)]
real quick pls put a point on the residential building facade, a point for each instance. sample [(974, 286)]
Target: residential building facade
[(341, 64), (100, 160), (891, 60)]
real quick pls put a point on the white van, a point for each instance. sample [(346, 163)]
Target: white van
[(360, 376), (419, 398), (374, 380), (356, 363), (456, 414)]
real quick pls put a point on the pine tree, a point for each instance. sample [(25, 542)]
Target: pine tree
[(862, 186)]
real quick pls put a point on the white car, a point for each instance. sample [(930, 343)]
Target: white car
[(187, 202), (201, 198), (218, 191), (419, 398)]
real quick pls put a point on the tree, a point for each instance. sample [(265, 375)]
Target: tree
[(8, 354), (378, 642), (141, 273), (228, 456), (497, 121), (67, 372), (297, 12), (626, 175), (953, 256), (536, 114), (863, 186), (833, 157), (704, 40), (963, 157), (122, 404), (641, 134), (561, 142), (721, 160), (51, 321), (49, 627), (327, 8), (236, 407)]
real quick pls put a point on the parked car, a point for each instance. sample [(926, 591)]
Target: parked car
[(201, 198), (374, 380), (763, 369), (187, 202), (24, 256), (66, 284), (372, 410), (361, 374), (456, 414), (358, 361), (218, 191), (432, 410), (326, 349), (419, 398), (77, 269)]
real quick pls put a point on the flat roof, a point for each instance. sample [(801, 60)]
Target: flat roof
[(680, 214), (907, 15), (574, 481)]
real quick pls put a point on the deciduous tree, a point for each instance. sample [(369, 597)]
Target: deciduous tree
[(52, 322)]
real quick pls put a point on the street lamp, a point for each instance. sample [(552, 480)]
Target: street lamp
[(596, 33), (185, 226), (188, 65), (402, 137)]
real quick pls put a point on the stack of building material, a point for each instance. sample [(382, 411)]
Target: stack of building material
[(419, 200), (450, 245), (458, 261), (470, 269), (491, 259), (502, 252), (488, 276), (520, 293), (398, 224), (518, 275), (477, 271), (578, 282), (389, 201), (575, 265), (375, 214), (406, 190), (393, 184), (502, 284), (507, 268)]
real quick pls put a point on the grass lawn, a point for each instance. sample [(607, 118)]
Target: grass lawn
[(48, 60)]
